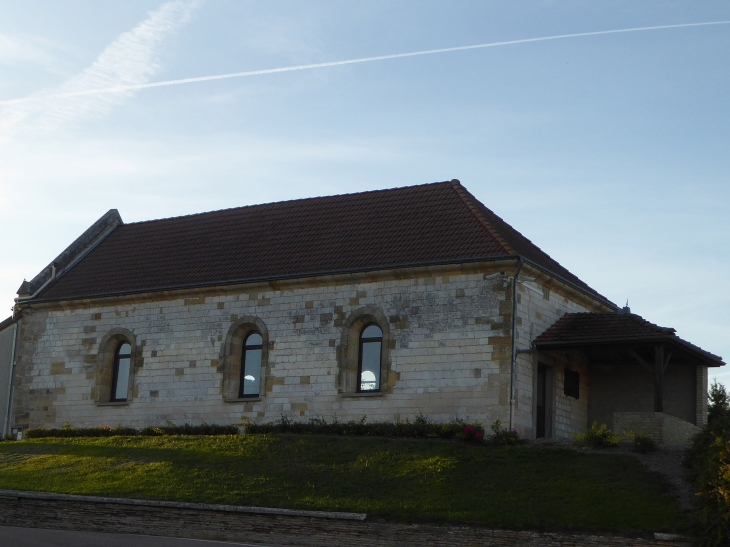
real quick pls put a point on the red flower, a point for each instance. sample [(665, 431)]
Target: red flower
[(479, 436), (469, 430)]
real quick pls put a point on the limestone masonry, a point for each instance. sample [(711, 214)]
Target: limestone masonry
[(476, 324), (448, 352)]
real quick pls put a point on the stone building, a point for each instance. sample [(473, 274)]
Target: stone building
[(386, 304), (7, 350)]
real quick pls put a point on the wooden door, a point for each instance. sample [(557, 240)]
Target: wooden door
[(541, 400)]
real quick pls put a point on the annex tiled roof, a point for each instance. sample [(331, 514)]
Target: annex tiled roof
[(573, 327), (426, 224), (576, 329)]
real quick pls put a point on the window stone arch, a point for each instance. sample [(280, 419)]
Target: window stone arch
[(348, 354), (105, 364), (233, 351)]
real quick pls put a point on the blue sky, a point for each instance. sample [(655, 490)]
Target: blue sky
[(610, 152)]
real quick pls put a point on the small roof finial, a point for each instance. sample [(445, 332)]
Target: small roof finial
[(625, 310)]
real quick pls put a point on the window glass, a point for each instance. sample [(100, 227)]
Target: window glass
[(252, 372), (373, 331), (120, 393), (370, 366), (122, 364), (251, 366), (254, 340)]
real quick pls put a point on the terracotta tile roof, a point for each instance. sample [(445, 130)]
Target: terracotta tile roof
[(581, 329), (602, 326), (426, 224)]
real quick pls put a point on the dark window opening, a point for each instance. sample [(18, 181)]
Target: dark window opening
[(371, 344), (251, 366), (122, 365), (572, 384)]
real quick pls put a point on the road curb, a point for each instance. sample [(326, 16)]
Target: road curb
[(331, 515)]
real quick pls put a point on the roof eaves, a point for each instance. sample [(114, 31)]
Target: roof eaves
[(568, 342), (588, 292), (564, 344), (696, 349), (275, 278)]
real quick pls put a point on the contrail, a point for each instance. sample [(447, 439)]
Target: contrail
[(345, 62)]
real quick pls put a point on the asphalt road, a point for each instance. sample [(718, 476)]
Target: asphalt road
[(38, 537)]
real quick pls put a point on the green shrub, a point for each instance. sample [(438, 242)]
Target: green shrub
[(187, 429), (708, 460), (718, 405), (502, 436), (421, 427), (599, 436), (67, 431), (642, 443)]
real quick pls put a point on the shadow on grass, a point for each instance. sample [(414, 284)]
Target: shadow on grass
[(411, 480)]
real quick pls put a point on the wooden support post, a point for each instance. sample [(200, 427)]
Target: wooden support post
[(659, 378)]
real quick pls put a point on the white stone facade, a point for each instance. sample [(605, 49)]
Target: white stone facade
[(540, 303), (449, 352)]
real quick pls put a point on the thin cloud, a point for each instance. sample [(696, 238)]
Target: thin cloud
[(122, 87), (123, 66), (16, 50)]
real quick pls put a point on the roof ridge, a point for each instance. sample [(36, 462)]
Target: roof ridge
[(379, 190), (468, 199), (668, 330)]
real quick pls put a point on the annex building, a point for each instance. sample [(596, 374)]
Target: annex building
[(386, 304)]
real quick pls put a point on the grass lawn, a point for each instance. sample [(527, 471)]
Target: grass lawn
[(521, 487)]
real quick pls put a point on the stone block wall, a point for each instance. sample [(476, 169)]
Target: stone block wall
[(540, 303), (701, 396), (659, 426), (571, 415), (677, 432), (7, 342), (447, 353)]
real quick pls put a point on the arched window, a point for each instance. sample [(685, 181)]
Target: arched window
[(122, 365), (364, 355), (371, 344), (251, 366)]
